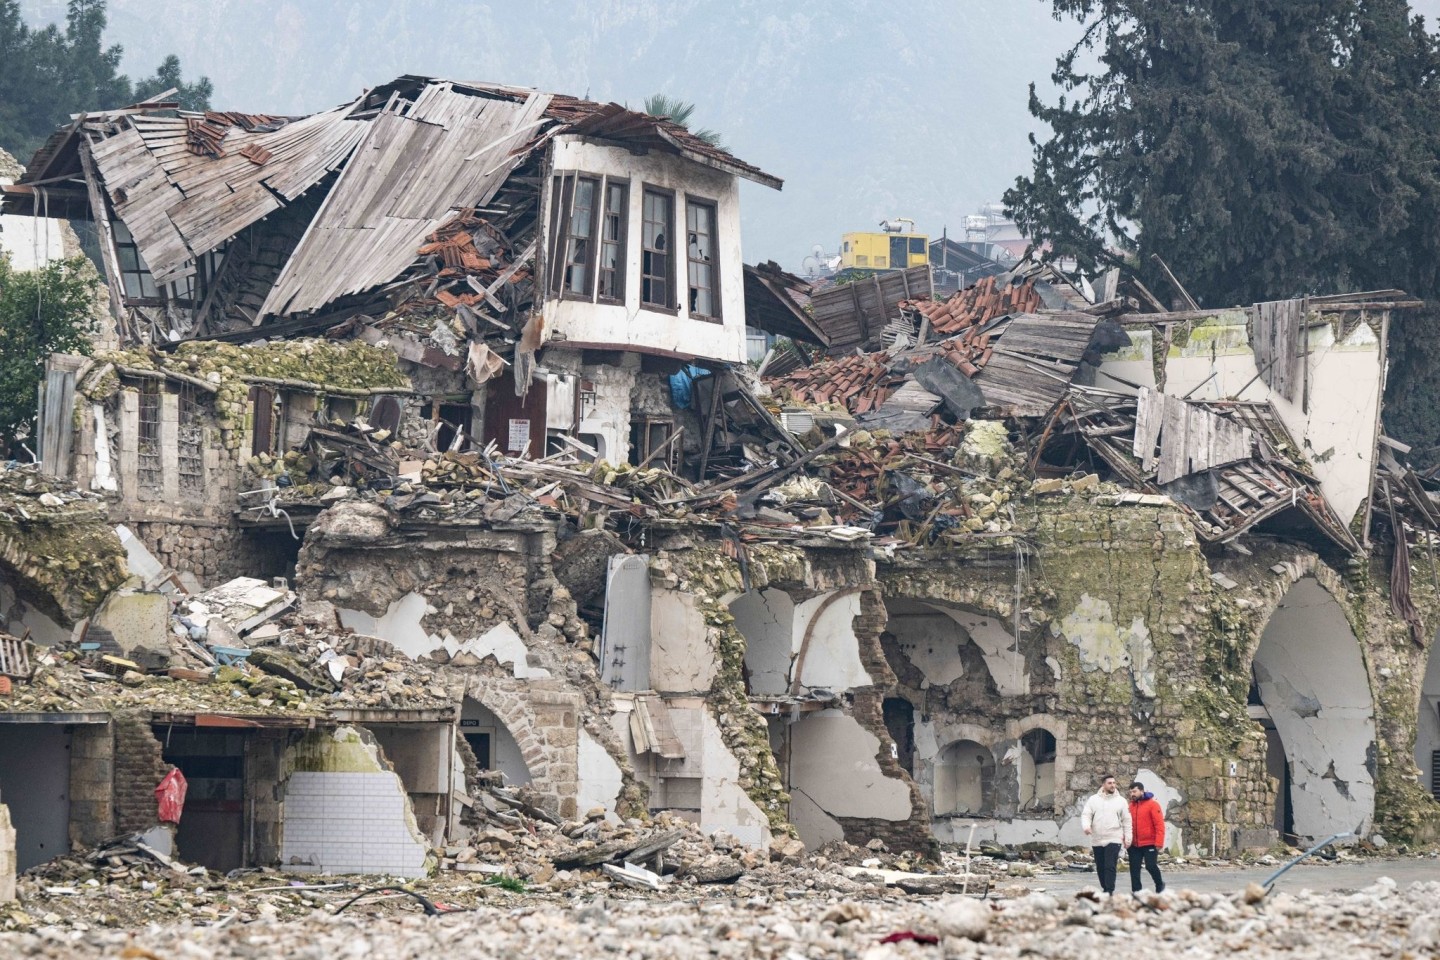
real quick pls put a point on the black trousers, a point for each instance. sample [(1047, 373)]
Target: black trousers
[(1149, 857), (1107, 858)]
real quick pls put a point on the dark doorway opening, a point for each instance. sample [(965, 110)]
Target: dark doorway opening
[(480, 746), (900, 724), (212, 826)]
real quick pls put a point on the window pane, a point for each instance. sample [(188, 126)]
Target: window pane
[(655, 264), (700, 254), (584, 204)]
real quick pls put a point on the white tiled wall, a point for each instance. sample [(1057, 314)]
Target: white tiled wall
[(349, 823)]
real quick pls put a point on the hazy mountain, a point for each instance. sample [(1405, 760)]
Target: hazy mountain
[(868, 110)]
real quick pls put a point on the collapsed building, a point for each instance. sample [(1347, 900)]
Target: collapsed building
[(428, 459)]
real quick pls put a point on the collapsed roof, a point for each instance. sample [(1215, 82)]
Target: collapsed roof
[(184, 184)]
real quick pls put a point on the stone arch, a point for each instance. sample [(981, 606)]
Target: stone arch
[(1312, 694), (964, 780), (1039, 751), (532, 711), (503, 750), (1427, 731)]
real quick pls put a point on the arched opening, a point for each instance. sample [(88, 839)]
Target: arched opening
[(965, 780), (1037, 771), (493, 744), (1314, 697), (1427, 736), (900, 724)]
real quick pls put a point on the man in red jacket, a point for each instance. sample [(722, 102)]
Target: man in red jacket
[(1149, 821)]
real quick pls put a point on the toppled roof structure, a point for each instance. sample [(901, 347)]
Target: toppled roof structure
[(442, 213)]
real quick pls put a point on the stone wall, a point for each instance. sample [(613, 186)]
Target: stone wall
[(92, 784), (1145, 661), (469, 577)]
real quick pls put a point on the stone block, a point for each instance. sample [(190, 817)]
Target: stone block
[(139, 621), (1255, 839)]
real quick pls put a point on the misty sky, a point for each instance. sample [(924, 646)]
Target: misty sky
[(867, 110)]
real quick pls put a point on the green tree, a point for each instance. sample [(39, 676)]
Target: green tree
[(49, 73), (678, 111), (1264, 148), (42, 312)]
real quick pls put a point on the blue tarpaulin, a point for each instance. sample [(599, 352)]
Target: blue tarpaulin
[(682, 386)]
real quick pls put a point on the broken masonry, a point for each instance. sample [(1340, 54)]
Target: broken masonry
[(393, 541)]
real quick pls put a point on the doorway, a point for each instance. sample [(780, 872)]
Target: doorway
[(212, 825)]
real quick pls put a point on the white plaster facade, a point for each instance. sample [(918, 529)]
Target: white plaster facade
[(1337, 435), (628, 326), (30, 242), (809, 645)]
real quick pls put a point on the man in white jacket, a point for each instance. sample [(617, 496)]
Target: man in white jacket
[(1106, 821)]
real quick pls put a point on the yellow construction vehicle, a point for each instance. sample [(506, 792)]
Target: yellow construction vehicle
[(892, 248)]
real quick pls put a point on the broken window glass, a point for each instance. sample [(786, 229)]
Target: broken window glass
[(612, 241), (700, 230), (579, 247), (657, 219), (134, 274)]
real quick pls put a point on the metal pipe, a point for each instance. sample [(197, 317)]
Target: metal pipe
[(1270, 880)]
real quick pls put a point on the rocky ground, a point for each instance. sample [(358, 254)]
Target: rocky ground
[(1381, 920), (842, 902)]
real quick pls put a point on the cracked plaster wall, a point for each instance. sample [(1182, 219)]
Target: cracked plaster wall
[(1312, 681), (1393, 667)]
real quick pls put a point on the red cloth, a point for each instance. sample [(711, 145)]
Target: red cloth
[(170, 796), (1149, 821)]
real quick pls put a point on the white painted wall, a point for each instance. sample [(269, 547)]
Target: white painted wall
[(1338, 434), (832, 762), (931, 637), (766, 619), (30, 242), (1313, 681), (600, 777), (681, 660), (619, 327), (832, 658), (607, 415)]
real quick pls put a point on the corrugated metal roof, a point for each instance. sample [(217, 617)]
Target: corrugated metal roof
[(418, 164)]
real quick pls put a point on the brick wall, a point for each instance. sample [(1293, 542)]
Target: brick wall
[(139, 768)]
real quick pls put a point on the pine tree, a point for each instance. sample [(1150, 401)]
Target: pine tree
[(1263, 148), (50, 73)]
